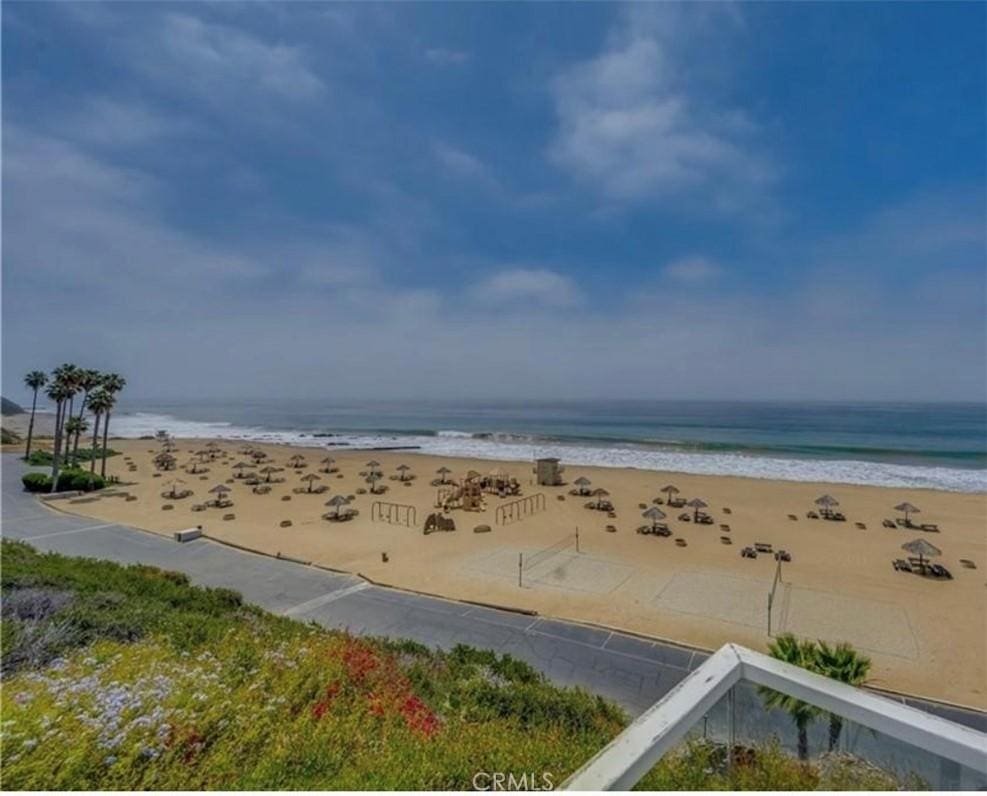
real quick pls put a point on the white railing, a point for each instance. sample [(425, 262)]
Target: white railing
[(630, 756)]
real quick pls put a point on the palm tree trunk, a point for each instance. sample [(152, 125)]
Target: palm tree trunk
[(106, 431), (30, 425), (78, 431), (835, 729), (803, 743), (57, 446), (92, 459)]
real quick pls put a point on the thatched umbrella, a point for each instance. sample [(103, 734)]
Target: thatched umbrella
[(174, 487), (241, 466), (169, 445), (922, 549), (268, 471), (336, 501), (599, 494), (827, 502), (328, 462), (194, 465), (258, 455), (906, 508), (442, 472), (403, 470), (583, 483), (203, 455), (372, 478), (472, 474), (654, 514), (670, 490), (311, 477), (219, 490), (372, 464), (697, 503), (297, 460)]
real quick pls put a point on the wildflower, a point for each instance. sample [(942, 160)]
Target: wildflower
[(30, 743), (109, 760)]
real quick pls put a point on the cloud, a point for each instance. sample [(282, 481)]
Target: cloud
[(629, 125), (459, 162), (109, 121), (692, 270), (445, 57), (535, 285), (219, 62)]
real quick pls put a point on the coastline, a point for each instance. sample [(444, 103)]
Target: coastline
[(840, 583)]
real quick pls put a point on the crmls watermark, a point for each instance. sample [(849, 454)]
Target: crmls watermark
[(499, 780)]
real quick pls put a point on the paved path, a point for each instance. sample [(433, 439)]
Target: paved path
[(632, 672)]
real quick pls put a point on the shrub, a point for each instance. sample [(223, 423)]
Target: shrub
[(42, 458), (36, 482)]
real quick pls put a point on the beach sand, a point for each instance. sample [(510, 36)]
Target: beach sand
[(926, 637)]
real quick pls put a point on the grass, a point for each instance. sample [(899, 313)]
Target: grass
[(129, 678)]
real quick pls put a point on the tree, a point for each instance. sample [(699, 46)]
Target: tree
[(100, 402), (89, 380), (791, 650), (113, 383), (35, 380), (74, 426), (841, 662), (59, 392)]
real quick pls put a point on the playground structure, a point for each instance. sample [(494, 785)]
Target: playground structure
[(467, 494), (437, 522), (499, 482), (519, 509), (548, 472), (393, 513)]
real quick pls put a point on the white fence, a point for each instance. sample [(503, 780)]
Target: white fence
[(636, 750)]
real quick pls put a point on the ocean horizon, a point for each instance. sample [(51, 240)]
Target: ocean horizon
[(935, 446)]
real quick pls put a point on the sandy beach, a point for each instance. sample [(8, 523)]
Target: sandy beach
[(926, 636)]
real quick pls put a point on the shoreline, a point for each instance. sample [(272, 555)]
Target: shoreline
[(840, 585), (462, 445)]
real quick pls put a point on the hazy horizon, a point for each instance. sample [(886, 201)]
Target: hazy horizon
[(498, 202)]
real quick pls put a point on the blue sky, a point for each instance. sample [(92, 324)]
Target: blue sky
[(714, 201)]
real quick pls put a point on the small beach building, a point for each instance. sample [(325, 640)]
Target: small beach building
[(548, 472)]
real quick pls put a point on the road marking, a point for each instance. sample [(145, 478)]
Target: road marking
[(64, 533), (325, 599)]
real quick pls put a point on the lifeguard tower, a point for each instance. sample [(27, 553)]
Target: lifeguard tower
[(548, 472)]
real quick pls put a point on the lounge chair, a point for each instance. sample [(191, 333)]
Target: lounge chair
[(889, 524), (793, 518), (685, 517), (727, 510), (748, 552), (860, 526), (680, 542), (724, 527), (783, 555), (726, 540), (811, 515), (929, 526), (762, 547), (966, 562)]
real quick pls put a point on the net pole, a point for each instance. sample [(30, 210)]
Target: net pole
[(520, 568), (577, 538)]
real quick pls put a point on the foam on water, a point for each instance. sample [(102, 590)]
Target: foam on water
[(520, 448)]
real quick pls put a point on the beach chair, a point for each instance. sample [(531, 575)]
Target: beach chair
[(889, 524), (793, 518), (726, 540), (860, 526), (928, 526), (685, 517), (783, 555), (727, 510), (811, 515), (762, 547), (966, 562), (724, 527), (680, 542)]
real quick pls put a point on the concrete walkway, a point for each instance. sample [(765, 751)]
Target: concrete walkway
[(631, 671)]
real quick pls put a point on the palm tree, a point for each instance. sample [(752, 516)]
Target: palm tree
[(100, 402), (113, 383), (89, 380), (74, 426), (59, 392), (845, 664), (35, 380), (789, 649)]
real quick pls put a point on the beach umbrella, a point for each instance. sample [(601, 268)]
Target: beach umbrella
[(442, 472), (328, 462), (268, 471), (670, 490), (472, 474), (498, 472), (906, 508), (600, 493), (241, 466), (696, 503), (654, 514), (827, 501), (583, 483), (297, 460), (169, 445), (311, 477), (336, 502), (174, 486), (372, 478), (922, 549), (372, 464), (219, 490), (403, 469), (194, 465)]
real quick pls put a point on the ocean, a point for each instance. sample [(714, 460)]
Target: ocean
[(937, 446)]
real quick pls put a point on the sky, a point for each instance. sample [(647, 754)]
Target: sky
[(482, 201)]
